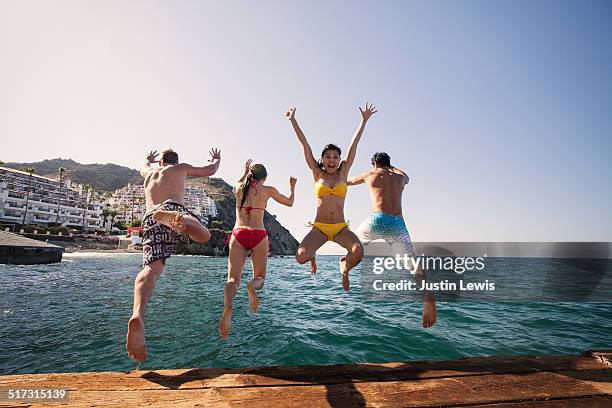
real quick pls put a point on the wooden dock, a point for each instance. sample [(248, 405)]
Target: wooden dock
[(508, 382)]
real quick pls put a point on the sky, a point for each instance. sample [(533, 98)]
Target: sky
[(500, 112)]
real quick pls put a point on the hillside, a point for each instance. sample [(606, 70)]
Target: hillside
[(109, 177), (281, 240), (102, 177)]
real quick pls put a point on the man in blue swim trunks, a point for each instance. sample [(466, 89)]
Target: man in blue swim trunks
[(386, 185)]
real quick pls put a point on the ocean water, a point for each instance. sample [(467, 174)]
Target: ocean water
[(72, 316)]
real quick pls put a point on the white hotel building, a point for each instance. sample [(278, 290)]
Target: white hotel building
[(44, 197), (129, 203)]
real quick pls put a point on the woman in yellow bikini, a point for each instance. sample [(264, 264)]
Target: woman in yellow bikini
[(330, 176)]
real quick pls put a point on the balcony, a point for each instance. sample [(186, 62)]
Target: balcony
[(45, 210)]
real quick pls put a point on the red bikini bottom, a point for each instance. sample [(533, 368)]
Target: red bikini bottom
[(249, 238)]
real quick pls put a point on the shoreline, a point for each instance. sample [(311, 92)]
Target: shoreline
[(71, 250), (75, 250)]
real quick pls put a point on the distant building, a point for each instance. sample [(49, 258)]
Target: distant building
[(199, 202), (77, 207), (129, 203)]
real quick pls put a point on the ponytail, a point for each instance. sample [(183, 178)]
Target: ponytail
[(245, 191)]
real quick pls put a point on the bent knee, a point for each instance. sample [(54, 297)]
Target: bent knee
[(357, 250), (149, 274), (202, 236), (302, 256)]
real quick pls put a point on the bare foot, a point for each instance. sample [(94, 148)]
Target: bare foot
[(313, 265), (135, 341), (171, 219), (429, 310), (226, 323), (346, 285), (253, 298)]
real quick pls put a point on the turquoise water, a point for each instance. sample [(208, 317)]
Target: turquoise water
[(73, 316)]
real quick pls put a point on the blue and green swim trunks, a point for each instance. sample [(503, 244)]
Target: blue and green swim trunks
[(390, 228)]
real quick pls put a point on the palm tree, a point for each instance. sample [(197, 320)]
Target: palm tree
[(87, 189), (30, 171), (124, 207), (61, 173), (140, 202), (109, 212), (106, 212), (132, 213)]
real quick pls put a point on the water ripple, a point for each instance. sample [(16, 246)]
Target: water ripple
[(72, 316)]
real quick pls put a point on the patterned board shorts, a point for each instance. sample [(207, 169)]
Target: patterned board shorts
[(390, 228), (159, 240)]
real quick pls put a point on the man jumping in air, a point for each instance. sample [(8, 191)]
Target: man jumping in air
[(386, 185), (165, 222)]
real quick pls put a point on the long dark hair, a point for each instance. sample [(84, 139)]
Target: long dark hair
[(325, 149), (257, 172)]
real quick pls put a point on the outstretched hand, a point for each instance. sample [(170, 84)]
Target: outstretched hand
[(152, 156), (290, 114), (292, 181), (215, 154), (247, 166), (368, 111)]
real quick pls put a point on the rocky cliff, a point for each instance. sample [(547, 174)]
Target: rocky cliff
[(281, 240)]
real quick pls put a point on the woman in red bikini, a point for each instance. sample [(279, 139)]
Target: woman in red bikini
[(249, 234)]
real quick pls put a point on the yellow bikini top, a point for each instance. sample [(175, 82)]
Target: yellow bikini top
[(322, 190)]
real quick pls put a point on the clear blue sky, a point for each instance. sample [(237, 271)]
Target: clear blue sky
[(499, 111)]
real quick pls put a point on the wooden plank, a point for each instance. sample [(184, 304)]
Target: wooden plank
[(603, 356), (517, 381), (581, 402), (304, 375), (485, 389)]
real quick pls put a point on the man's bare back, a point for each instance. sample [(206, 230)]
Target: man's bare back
[(168, 181), (165, 183), (385, 186)]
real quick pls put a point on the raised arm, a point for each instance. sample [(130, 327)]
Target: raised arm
[(353, 181), (310, 160), (247, 168), (146, 166), (352, 151), (205, 171), (284, 200), (402, 173)]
